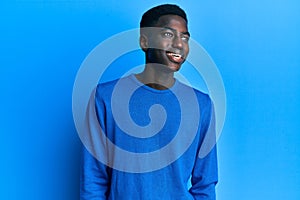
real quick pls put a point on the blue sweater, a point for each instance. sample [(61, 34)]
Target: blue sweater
[(142, 177)]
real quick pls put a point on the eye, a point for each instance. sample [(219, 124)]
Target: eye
[(168, 34), (185, 38)]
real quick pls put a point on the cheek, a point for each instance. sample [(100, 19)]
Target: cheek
[(150, 54), (155, 54), (187, 49), (161, 43)]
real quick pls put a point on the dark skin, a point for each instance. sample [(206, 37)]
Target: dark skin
[(166, 50)]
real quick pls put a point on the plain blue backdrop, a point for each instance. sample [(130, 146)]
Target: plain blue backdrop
[(255, 44)]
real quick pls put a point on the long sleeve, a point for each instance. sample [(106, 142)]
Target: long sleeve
[(204, 177), (205, 172), (94, 177)]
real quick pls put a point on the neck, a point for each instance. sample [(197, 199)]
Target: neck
[(155, 78)]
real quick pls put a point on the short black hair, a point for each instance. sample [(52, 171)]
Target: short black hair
[(150, 17)]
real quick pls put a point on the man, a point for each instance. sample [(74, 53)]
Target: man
[(175, 133)]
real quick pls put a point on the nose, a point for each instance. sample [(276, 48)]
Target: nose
[(177, 42)]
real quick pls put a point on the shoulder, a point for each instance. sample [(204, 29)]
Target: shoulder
[(203, 98), (105, 90), (204, 101)]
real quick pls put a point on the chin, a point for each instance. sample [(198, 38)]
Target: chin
[(174, 68)]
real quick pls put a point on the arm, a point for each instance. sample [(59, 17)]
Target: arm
[(205, 172), (205, 178), (94, 176)]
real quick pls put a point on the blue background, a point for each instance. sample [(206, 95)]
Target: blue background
[(255, 45)]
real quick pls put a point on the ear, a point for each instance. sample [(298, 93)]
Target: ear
[(143, 42)]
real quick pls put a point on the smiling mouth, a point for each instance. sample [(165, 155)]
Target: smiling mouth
[(175, 57)]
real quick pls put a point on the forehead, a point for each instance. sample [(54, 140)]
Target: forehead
[(172, 21)]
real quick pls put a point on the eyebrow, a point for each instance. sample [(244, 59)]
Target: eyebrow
[(172, 29)]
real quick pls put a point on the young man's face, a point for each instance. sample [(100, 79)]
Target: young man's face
[(169, 43)]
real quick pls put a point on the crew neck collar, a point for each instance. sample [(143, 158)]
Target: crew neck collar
[(133, 78)]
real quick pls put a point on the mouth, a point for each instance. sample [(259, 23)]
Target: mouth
[(175, 57)]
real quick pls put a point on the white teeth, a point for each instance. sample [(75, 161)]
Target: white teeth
[(175, 55)]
